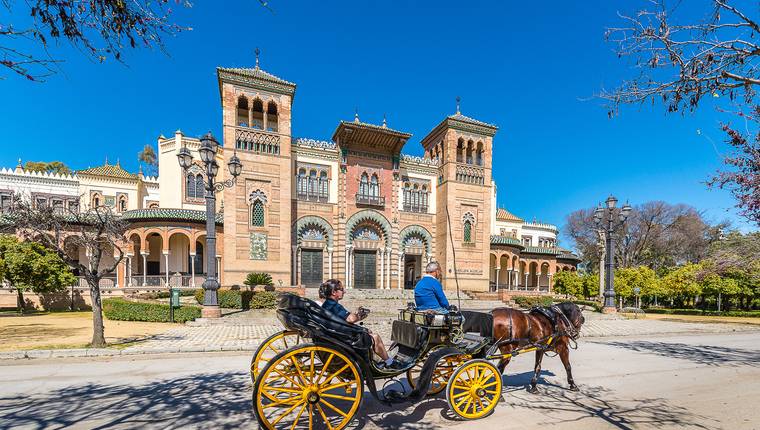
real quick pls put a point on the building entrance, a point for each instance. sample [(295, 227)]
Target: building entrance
[(311, 267), (365, 269), (412, 270)]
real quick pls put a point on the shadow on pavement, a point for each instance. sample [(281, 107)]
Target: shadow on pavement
[(223, 400), (700, 354)]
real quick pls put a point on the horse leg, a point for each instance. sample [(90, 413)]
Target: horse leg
[(503, 365), (564, 355), (536, 371)]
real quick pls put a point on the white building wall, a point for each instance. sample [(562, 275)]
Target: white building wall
[(28, 183)]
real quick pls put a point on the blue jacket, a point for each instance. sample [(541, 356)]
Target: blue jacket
[(428, 294)]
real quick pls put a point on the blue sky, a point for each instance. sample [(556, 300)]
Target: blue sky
[(532, 70)]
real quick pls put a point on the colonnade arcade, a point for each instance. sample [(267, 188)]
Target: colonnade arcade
[(511, 271), (169, 255)]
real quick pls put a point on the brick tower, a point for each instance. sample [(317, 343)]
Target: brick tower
[(463, 147)]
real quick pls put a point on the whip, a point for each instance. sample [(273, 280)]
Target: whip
[(454, 254)]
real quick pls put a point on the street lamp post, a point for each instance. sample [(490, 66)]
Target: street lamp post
[(208, 150), (605, 217)]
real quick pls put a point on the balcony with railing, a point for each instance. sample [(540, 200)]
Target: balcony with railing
[(259, 141), (470, 174), (415, 207), (370, 200)]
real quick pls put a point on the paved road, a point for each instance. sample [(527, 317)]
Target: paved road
[(701, 381)]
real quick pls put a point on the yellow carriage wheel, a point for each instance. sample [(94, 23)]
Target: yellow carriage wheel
[(441, 374), (308, 387), (272, 346), (474, 389)]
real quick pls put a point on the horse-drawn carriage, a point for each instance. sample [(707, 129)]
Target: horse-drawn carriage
[(312, 375)]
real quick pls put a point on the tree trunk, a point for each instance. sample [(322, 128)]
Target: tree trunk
[(98, 333), (20, 301)]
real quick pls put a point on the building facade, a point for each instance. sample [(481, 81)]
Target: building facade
[(304, 210)]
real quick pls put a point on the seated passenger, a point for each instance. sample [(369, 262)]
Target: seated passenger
[(428, 293), (332, 292)]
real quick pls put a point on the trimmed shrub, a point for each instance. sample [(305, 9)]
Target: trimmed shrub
[(236, 299), (751, 314), (124, 310), (164, 294), (530, 301), (257, 278), (596, 305)]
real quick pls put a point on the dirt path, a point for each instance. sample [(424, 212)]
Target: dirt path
[(67, 330)]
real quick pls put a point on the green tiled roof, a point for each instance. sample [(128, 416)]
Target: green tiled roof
[(467, 119), (504, 215), (114, 171), (566, 254), (375, 127), (169, 214), (505, 240), (541, 250)]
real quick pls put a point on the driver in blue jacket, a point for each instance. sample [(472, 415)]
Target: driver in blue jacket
[(428, 293)]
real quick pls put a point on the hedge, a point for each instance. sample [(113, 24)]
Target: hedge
[(596, 305), (753, 314), (237, 299), (530, 301), (125, 310)]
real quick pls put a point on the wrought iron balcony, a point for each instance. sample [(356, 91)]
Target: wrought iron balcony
[(370, 200), (312, 197), (415, 208)]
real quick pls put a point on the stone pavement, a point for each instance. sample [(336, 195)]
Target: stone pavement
[(244, 331)]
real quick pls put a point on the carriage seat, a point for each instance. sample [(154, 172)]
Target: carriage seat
[(431, 319), (304, 315)]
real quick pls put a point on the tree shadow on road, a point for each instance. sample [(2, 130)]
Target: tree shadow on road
[(215, 400), (700, 354), (558, 405)]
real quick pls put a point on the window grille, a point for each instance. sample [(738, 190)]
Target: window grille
[(468, 232), (257, 214)]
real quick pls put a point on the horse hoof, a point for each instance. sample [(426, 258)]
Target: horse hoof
[(532, 390), (574, 388)]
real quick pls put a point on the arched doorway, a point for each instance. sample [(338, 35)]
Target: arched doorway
[(313, 251), (368, 253), (416, 243)]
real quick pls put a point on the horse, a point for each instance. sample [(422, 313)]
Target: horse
[(513, 329)]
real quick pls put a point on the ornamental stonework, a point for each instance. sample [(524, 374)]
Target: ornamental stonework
[(258, 246)]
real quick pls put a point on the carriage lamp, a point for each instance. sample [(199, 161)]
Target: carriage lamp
[(609, 220), (208, 149)]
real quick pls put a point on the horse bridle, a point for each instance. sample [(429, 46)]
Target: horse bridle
[(570, 331)]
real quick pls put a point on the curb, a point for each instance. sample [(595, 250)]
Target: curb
[(105, 352)]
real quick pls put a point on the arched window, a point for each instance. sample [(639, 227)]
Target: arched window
[(199, 186), (313, 186), (257, 214), (190, 186), (122, 204), (258, 114), (272, 117), (415, 196), (96, 201), (303, 184), (460, 151), (323, 193), (364, 185), (469, 151), (424, 199), (374, 187), (468, 231), (479, 154), (242, 111)]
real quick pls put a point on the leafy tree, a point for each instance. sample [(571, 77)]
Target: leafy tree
[(590, 287), (681, 61), (101, 29), (682, 283), (48, 167), (29, 266), (97, 230), (148, 156), (568, 283)]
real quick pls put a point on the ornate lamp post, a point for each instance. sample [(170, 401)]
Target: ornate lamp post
[(609, 220), (209, 148)]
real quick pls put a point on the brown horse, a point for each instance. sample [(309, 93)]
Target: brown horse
[(514, 329)]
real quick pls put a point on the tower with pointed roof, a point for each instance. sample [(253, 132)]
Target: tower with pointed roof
[(256, 119), (463, 147)]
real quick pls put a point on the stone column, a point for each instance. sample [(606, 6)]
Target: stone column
[(381, 253), (347, 262), (550, 282), (250, 116), (145, 268), (329, 262), (400, 271), (388, 265), (497, 278), (526, 281), (192, 269), (294, 278), (299, 252), (166, 261), (128, 283)]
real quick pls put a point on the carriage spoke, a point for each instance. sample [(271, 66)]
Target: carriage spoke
[(333, 407), (298, 369), (287, 377), (491, 384), (338, 372), (286, 413), (335, 396), (298, 417), (311, 414), (324, 417), (322, 370), (311, 371), (461, 387), (459, 403), (279, 402), (463, 393), (283, 390), (334, 386)]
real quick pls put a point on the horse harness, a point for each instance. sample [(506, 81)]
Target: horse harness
[(554, 315)]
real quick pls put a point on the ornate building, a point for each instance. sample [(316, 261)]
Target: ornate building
[(305, 210)]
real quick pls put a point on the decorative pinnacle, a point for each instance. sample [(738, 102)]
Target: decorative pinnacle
[(257, 52), (356, 114), (459, 99), (385, 123), (106, 160)]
